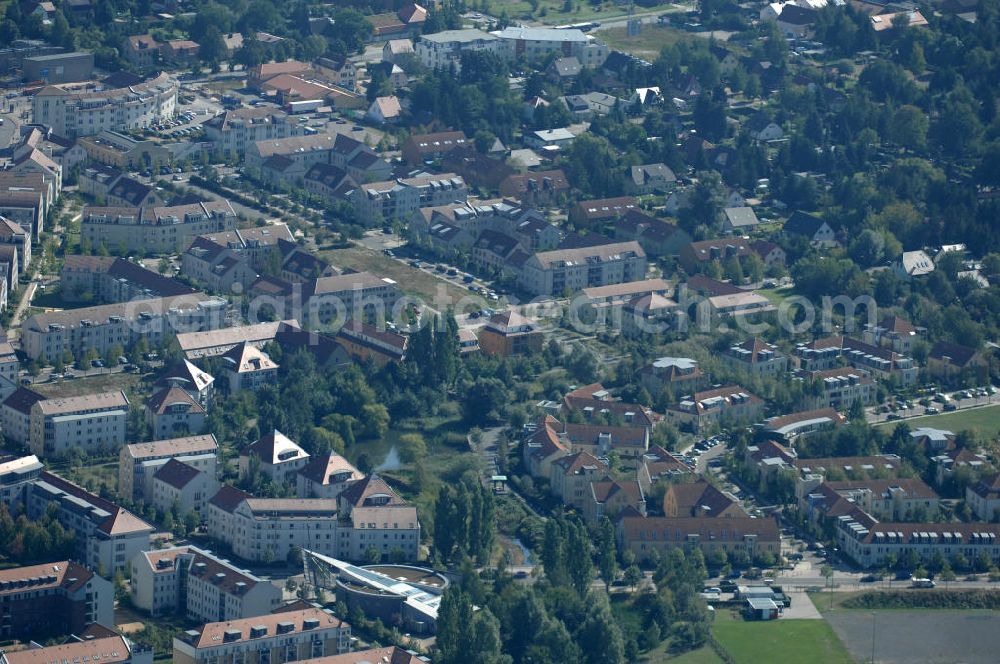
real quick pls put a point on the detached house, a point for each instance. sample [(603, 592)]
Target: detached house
[(816, 230), (948, 361), (650, 178)]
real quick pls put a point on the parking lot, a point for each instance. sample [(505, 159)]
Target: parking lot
[(932, 404)]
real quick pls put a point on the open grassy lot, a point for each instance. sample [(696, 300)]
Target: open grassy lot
[(780, 640), (551, 11), (89, 385), (704, 655), (648, 43), (984, 420), (410, 280)]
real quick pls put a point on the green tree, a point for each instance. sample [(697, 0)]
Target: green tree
[(607, 552)]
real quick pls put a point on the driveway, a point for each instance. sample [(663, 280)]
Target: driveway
[(802, 607)]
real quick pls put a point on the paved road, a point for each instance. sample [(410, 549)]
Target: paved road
[(29, 292)]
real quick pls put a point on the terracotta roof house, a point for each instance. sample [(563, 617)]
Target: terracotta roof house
[(948, 361), (173, 412), (700, 499), (608, 498), (248, 368), (326, 476), (643, 535)]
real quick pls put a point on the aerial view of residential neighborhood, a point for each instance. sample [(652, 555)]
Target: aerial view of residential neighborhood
[(499, 331)]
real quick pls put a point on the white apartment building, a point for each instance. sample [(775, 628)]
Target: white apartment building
[(538, 43), (138, 462), (267, 529), (275, 455), (336, 299), (15, 475), (177, 483), (444, 49), (91, 423), (366, 515), (9, 367), (102, 327), (246, 367), (756, 357), (561, 270), (841, 388), (107, 536), (378, 202), (203, 586), (271, 638), (15, 415), (871, 544), (75, 111), (164, 229), (325, 476), (234, 131)]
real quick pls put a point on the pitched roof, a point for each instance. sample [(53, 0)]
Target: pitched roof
[(275, 448), (580, 463), (328, 468), (803, 223), (360, 493), (699, 499), (173, 447), (187, 375), (677, 529), (176, 473), (168, 397), (22, 399), (210, 635), (228, 498), (607, 489), (954, 354), (45, 575), (591, 434), (246, 357)]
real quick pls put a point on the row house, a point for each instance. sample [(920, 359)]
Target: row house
[(879, 361)]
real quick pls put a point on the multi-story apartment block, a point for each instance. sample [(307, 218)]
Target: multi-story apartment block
[(678, 373), (293, 156), (509, 333), (15, 475), (538, 43), (172, 412), (233, 132), (154, 229), (9, 367), (204, 587), (374, 517), (757, 357), (444, 49), (219, 513), (609, 498), (880, 362), (107, 536), (197, 383), (872, 544), (571, 477), (246, 367), (72, 112), (367, 343), (103, 327), (335, 299), (325, 476), (122, 151), (840, 388), (899, 499), (15, 414), (643, 535), (556, 272), (222, 260), (138, 462), (275, 455), (106, 279), (53, 599), (983, 497), (12, 233), (96, 642), (266, 529), (178, 485), (892, 332), (90, 423), (714, 407), (286, 636), (398, 199)]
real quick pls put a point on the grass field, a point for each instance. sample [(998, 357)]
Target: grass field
[(649, 42), (780, 640), (411, 281), (984, 420), (89, 385), (703, 655), (551, 11)]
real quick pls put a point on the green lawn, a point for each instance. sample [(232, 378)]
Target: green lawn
[(780, 640), (985, 420), (776, 295), (704, 655), (551, 11)]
